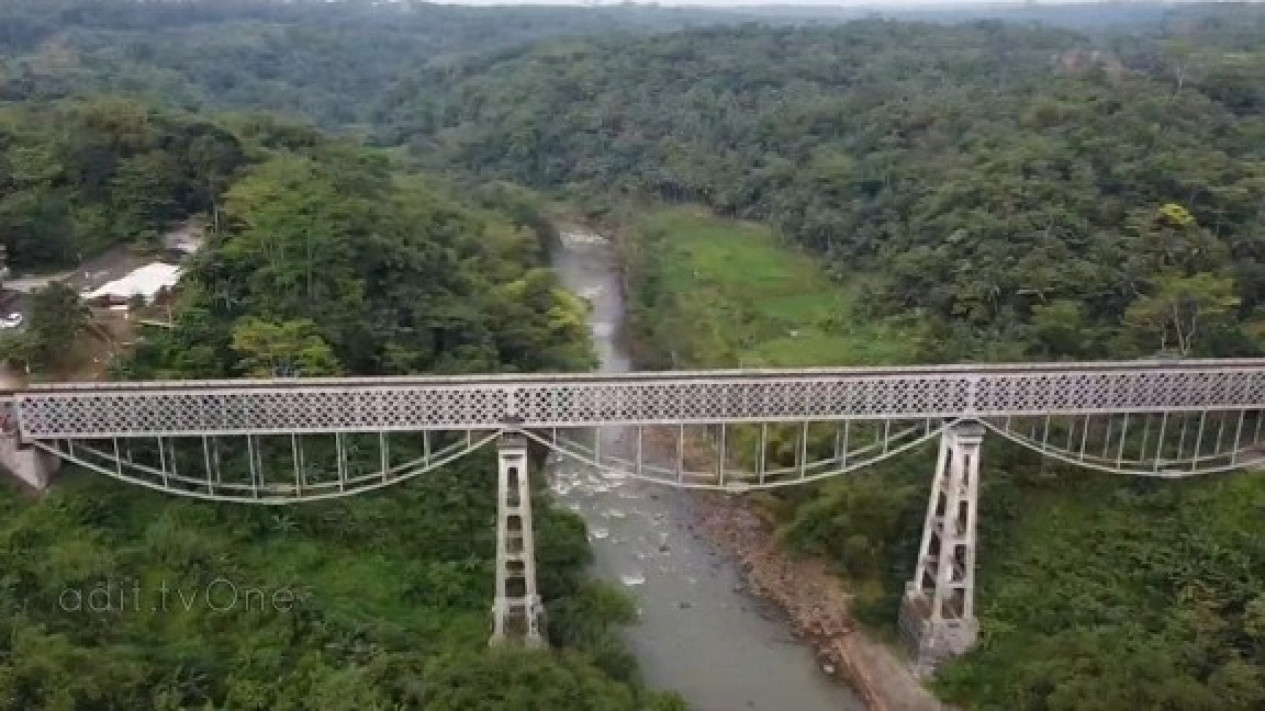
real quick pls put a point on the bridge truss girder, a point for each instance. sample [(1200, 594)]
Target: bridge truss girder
[(283, 469), (282, 443)]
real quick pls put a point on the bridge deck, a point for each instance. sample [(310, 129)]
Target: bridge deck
[(280, 406), (1209, 364)]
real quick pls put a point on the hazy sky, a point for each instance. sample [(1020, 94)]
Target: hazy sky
[(738, 3)]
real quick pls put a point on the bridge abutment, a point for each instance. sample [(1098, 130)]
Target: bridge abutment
[(30, 465), (937, 616), (517, 612)]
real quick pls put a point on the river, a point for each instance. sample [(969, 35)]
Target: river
[(698, 632)]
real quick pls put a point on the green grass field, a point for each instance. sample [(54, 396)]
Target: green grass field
[(744, 299)]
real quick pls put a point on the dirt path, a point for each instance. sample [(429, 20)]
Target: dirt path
[(816, 604)]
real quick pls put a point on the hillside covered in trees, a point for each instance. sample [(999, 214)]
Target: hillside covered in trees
[(337, 62), (326, 261), (988, 192), (80, 177), (971, 192), (330, 62), (1028, 193), (322, 258)]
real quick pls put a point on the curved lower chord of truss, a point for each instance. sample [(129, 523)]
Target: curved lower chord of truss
[(1167, 445), (289, 469), (211, 468), (634, 459), (280, 469)]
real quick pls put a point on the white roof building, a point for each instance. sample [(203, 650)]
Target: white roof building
[(146, 281)]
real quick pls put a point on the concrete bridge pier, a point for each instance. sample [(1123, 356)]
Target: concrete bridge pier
[(30, 465), (937, 616), (516, 611)]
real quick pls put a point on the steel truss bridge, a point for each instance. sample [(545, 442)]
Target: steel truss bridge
[(284, 441)]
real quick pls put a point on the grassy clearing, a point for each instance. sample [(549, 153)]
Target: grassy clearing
[(730, 294), (710, 292)]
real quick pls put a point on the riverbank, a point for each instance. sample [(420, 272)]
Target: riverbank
[(815, 602)]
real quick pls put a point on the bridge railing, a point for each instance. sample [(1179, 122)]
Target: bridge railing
[(225, 408)]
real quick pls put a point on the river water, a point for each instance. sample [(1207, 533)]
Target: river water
[(698, 632)]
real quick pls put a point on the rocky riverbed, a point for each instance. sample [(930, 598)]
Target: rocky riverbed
[(814, 602)]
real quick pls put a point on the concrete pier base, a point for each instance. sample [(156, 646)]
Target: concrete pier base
[(932, 642)]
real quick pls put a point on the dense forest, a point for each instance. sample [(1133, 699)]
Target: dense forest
[(967, 191), (80, 177), (326, 260), (1025, 194), (338, 63), (330, 62), (323, 257), (1029, 194), (991, 192)]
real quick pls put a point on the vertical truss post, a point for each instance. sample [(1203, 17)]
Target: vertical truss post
[(937, 616), (516, 610)]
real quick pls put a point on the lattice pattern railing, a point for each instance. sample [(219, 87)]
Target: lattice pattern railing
[(487, 403)]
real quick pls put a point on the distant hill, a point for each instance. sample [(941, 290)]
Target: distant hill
[(1079, 16)]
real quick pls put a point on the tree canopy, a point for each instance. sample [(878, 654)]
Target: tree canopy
[(985, 192), (983, 173), (977, 189), (323, 259)]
